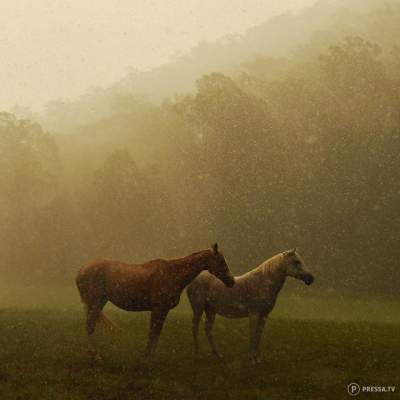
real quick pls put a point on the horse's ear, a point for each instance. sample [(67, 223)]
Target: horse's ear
[(215, 248), (290, 252)]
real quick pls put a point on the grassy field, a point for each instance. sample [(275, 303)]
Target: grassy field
[(43, 356)]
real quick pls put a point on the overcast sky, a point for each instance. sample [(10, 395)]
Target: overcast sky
[(58, 48)]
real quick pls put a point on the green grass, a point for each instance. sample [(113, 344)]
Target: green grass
[(43, 356)]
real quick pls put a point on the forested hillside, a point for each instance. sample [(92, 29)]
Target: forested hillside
[(275, 147), (292, 36)]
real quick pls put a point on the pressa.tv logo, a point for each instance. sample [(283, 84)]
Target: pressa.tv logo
[(354, 389)]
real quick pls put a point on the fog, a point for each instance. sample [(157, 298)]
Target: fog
[(58, 49), (267, 131), (144, 142)]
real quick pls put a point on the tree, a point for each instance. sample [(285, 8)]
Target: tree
[(119, 207), (29, 164)]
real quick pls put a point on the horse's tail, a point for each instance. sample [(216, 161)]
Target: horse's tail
[(91, 287), (109, 324), (82, 283)]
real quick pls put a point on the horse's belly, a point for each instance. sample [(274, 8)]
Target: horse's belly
[(132, 305), (130, 300), (234, 314), (131, 292), (236, 310)]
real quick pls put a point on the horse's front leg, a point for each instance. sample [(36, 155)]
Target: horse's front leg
[(157, 319), (257, 323)]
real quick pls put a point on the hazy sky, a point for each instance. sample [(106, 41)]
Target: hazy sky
[(58, 48)]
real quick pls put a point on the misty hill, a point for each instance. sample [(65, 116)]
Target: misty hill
[(302, 34), (280, 36)]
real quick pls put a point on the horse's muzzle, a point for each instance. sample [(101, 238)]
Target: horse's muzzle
[(308, 279)]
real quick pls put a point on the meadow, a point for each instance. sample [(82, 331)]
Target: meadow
[(43, 355)]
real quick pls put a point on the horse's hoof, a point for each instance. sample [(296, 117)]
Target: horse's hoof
[(219, 356), (146, 358), (255, 361), (117, 330), (95, 358), (146, 363)]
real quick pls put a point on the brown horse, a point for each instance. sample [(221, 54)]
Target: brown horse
[(154, 286)]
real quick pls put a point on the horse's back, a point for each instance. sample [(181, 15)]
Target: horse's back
[(208, 291), (116, 281), (106, 270)]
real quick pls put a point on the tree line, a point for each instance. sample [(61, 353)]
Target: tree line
[(308, 158)]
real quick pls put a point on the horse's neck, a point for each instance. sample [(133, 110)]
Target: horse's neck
[(269, 273), (189, 267)]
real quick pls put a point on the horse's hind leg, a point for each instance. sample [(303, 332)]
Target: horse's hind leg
[(197, 293), (93, 314), (197, 314), (91, 291), (210, 318)]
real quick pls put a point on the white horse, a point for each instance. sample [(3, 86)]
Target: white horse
[(253, 295)]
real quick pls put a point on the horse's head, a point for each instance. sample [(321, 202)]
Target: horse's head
[(218, 267), (294, 266)]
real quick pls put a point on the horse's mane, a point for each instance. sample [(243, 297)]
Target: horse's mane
[(266, 266), (271, 263), (197, 252), (189, 255)]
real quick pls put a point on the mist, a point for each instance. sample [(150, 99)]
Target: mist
[(66, 47), (144, 130), (275, 149)]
